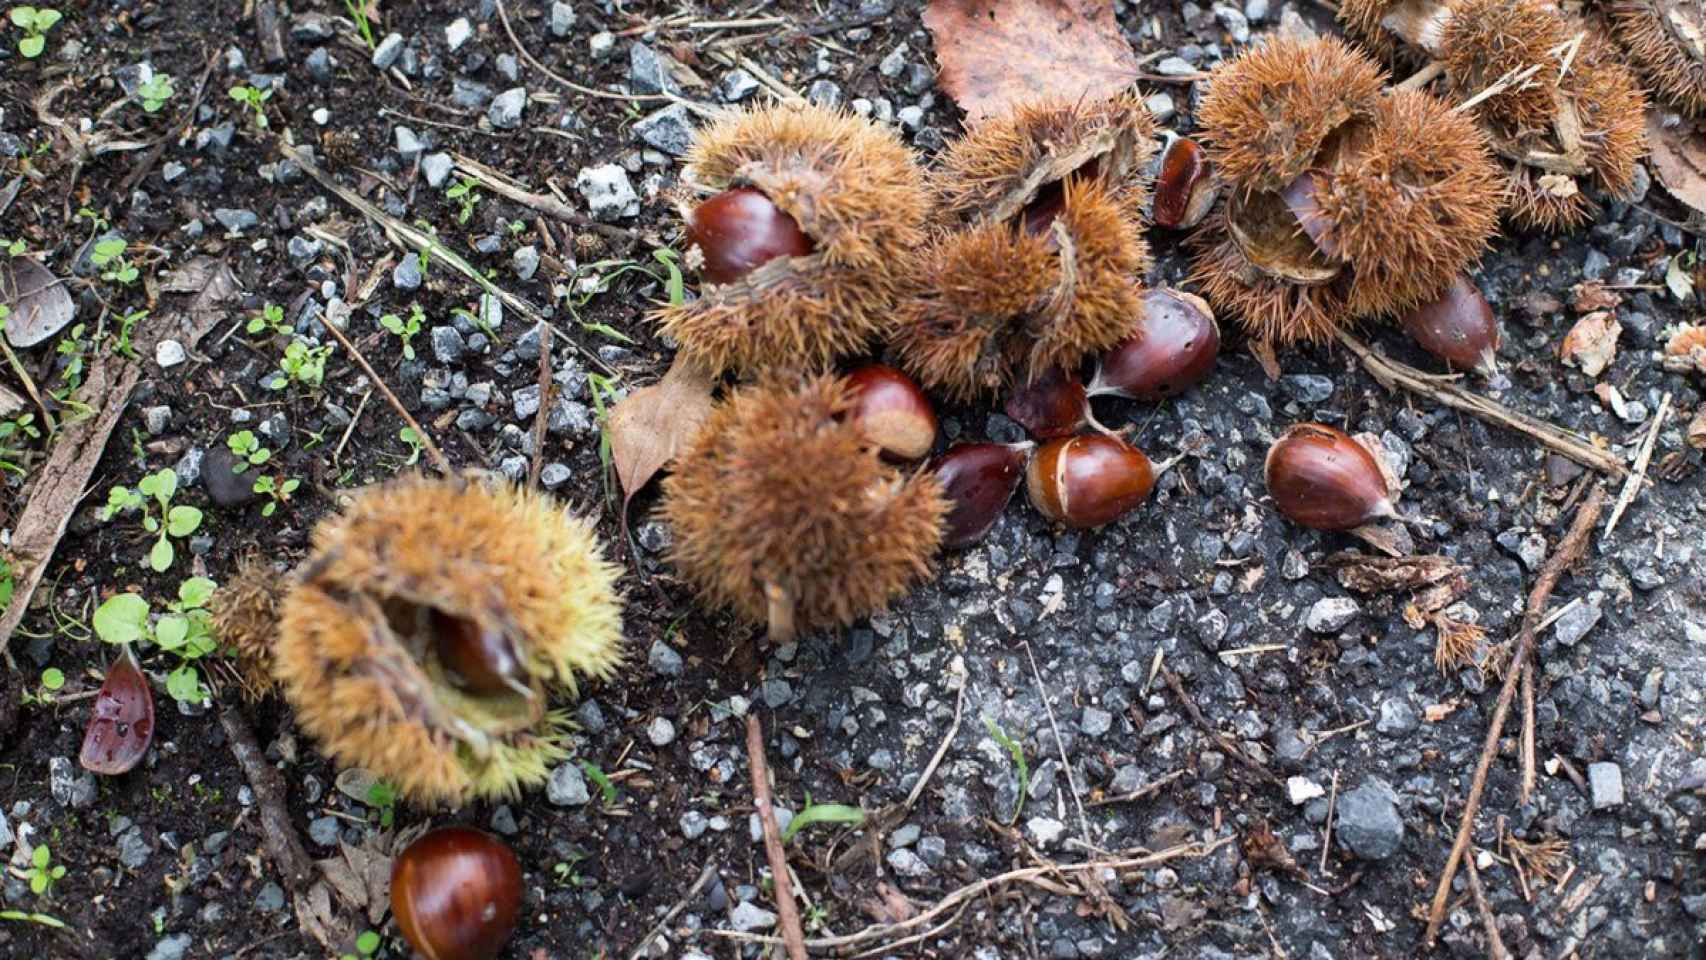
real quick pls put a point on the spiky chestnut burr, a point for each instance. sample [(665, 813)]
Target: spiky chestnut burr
[(245, 614), (1270, 308), (853, 189), (1666, 41), (1269, 113), (1486, 41), (365, 659), (785, 513)]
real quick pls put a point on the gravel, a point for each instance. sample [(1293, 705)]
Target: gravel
[(567, 786), (1368, 821), (607, 192), (1605, 783)]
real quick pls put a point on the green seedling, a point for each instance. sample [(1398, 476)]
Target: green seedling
[(465, 193), (255, 100), (108, 255), (413, 439), (1018, 754), (6, 584), (270, 320), (822, 813), (302, 364), (172, 521), (357, 10), (12, 434), (126, 326), (43, 872), (185, 630), (606, 788), (247, 446), (35, 22), (44, 919), (52, 679), (277, 489), (156, 92), (383, 798), (366, 945), (405, 330)]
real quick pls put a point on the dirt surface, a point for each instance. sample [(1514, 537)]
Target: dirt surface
[(1043, 636)]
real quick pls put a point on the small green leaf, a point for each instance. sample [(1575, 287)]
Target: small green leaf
[(31, 48), (122, 619), (195, 592), (23, 17), (45, 19), (40, 856), (52, 678), (367, 943), (823, 813), (170, 632), (184, 684), (165, 482), (160, 558), (183, 521)]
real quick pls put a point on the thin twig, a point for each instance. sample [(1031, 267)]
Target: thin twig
[(438, 458), (1429, 72), (705, 877), (543, 417), (941, 751), (1637, 477), (1392, 374), (1327, 828), (355, 418), (1510, 79), (1528, 774), (1495, 945), (1226, 745), (544, 203), (786, 909), (503, 15), (278, 834), (1574, 543), (1071, 781), (1146, 790)]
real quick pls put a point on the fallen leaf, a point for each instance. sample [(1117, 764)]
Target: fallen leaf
[(1435, 712), (1263, 351), (1366, 574), (1264, 849), (1685, 352), (997, 53), (889, 905), (213, 284), (1679, 280), (1592, 342), (1678, 153), (1591, 295), (40, 304), (1697, 430), (651, 425), (121, 723)]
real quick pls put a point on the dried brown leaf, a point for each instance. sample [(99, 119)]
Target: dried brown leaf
[(889, 905), (1592, 343), (1679, 157), (1435, 712), (1697, 430), (1264, 849), (1366, 574), (1591, 295), (40, 304), (652, 424), (1685, 351), (213, 285), (997, 53)]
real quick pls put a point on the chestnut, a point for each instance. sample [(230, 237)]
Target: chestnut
[(481, 658), (1458, 328), (1175, 346), (739, 230), (891, 412), (1052, 405), (456, 892), (1184, 186), (1322, 478), (1088, 481), (978, 480)]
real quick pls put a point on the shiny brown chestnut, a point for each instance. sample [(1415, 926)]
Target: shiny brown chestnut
[(890, 410), (1175, 346), (456, 893), (1184, 187), (1300, 198), (1088, 481), (739, 230), (482, 659), (1458, 328), (1052, 405), (978, 480), (1037, 216), (1322, 478)]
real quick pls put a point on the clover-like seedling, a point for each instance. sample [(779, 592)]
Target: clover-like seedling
[(185, 630), (171, 521), (277, 488), (35, 22), (269, 320), (43, 872), (302, 364), (108, 256), (255, 100), (155, 92), (248, 448), (405, 330), (465, 193)]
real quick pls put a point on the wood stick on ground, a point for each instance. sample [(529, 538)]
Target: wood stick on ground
[(705, 877), (437, 455), (1528, 773), (1147, 789), (543, 417), (1574, 543), (1225, 743), (1392, 374), (278, 834), (1327, 827), (789, 912), (543, 202), (1495, 944), (1638, 476), (941, 751), (1065, 764), (503, 14), (1431, 71)]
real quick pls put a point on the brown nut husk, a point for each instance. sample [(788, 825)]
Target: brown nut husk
[(783, 512), (1268, 308), (1666, 41), (1488, 40), (358, 662), (244, 614), (853, 187)]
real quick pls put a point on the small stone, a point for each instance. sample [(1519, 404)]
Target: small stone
[(1307, 387), (910, 118), (388, 50), (457, 33), (746, 918), (324, 831), (553, 475), (1095, 721), (171, 948), (1331, 614), (302, 250), (406, 275), (891, 65), (736, 85), (225, 486), (133, 849), (505, 111), (525, 260), (469, 95), (650, 71), (235, 220), (693, 824), (1175, 67), (1605, 783), (409, 145), (1046, 830), (1301, 790), (1233, 20), (436, 168), (907, 863), (503, 821), (669, 130), (607, 192), (567, 786), (663, 659), (1369, 824), (1161, 105), (157, 419), (1397, 717), (824, 93), (1575, 623), (562, 19), (660, 732), (601, 44), (448, 346)]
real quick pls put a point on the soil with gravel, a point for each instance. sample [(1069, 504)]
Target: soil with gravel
[(1044, 637)]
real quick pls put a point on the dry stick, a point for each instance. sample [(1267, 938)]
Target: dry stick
[(438, 458), (1327, 828), (881, 931), (1421, 78), (1495, 945), (1510, 79), (1568, 552), (941, 751), (789, 912), (1528, 773), (705, 877), (1226, 745), (544, 415), (1141, 792), (503, 15), (1392, 374), (1638, 477), (1071, 782), (544, 203), (277, 832)]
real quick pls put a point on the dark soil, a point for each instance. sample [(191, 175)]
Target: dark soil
[(167, 861)]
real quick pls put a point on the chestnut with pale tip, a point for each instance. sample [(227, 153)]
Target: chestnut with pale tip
[(456, 893), (1322, 478), (978, 480), (1458, 328), (478, 657), (892, 413), (1175, 347), (1088, 481), (739, 230), (1184, 186), (1052, 405)]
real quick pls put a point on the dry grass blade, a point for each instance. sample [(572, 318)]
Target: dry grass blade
[(1543, 859), (1457, 643)]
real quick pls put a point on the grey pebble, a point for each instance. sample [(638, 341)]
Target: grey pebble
[(1368, 821), (567, 786)]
